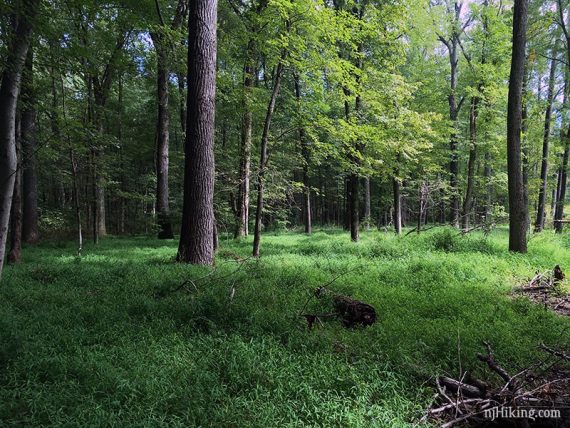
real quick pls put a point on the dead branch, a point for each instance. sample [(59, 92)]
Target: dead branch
[(490, 360)]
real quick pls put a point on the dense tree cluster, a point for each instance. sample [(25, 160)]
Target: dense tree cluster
[(350, 113)]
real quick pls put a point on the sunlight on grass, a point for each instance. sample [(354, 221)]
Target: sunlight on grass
[(111, 338)]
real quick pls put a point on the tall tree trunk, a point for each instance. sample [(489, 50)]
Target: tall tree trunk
[(525, 145), (555, 192), (396, 185), (15, 254), (182, 108), (367, 204), (162, 142), (518, 211), (563, 177), (305, 154), (100, 203), (122, 199), (9, 91), (30, 231), (76, 201), (354, 189), (242, 227), (452, 45), (354, 179), (540, 214), (468, 201), (487, 172), (163, 49), (196, 237), (263, 155)]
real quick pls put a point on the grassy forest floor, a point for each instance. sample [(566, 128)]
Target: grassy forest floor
[(112, 338)]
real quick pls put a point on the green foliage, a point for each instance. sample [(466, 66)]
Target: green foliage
[(108, 340)]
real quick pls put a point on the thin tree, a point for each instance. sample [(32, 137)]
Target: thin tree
[(250, 20), (163, 50), (452, 42), (305, 155), (30, 229), (539, 223), (518, 211), (18, 45), (263, 155), (197, 234), (15, 254)]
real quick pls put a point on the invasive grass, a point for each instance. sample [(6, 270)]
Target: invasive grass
[(104, 340)]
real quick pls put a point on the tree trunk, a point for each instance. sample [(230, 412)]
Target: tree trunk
[(397, 205), (30, 231), (555, 192), (305, 154), (9, 91), (563, 176), (196, 237), (540, 214), (263, 155), (487, 172), (452, 47), (163, 49), (367, 205), (15, 254), (354, 185), (517, 207), (162, 142), (242, 227), (468, 201), (76, 201), (182, 108)]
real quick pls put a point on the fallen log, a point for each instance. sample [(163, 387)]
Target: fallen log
[(354, 312), (461, 388)]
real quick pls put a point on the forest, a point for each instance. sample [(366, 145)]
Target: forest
[(266, 213)]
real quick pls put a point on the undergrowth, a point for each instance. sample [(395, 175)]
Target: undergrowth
[(113, 339)]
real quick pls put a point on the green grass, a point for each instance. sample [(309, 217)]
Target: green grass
[(101, 341)]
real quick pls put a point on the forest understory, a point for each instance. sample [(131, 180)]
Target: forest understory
[(124, 335)]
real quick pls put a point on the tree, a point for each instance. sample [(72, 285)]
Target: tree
[(163, 48), (197, 234), (452, 40), (540, 214), (18, 45), (518, 210), (30, 230)]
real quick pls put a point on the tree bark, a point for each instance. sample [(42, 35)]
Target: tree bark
[(354, 189), (468, 201), (9, 92), (196, 237), (163, 50), (15, 254), (540, 214), (30, 231), (518, 211), (162, 143), (305, 155), (242, 227), (397, 205), (263, 155), (563, 178), (452, 45), (367, 204), (487, 173)]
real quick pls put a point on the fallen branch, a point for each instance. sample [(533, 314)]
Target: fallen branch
[(490, 360), (555, 352)]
